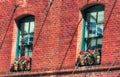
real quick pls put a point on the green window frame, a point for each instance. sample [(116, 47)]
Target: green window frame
[(92, 31), (25, 36)]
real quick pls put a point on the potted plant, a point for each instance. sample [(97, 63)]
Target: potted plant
[(23, 63), (28, 64), (89, 57), (82, 57), (15, 65), (97, 56)]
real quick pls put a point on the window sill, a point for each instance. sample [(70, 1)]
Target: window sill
[(38, 72), (20, 67), (89, 61)]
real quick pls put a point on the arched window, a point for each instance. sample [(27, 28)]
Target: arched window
[(25, 36), (93, 27)]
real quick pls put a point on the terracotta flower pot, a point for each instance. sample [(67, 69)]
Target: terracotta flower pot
[(98, 59), (21, 67), (28, 66), (15, 67), (89, 60), (82, 61)]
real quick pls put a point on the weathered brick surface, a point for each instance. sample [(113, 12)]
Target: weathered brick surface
[(57, 47)]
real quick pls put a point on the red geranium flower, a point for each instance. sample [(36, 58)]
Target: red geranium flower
[(91, 51)]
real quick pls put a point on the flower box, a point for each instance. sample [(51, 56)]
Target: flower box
[(89, 57), (21, 64)]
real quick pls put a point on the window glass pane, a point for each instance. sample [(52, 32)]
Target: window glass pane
[(92, 30), (91, 35), (93, 17), (30, 39), (30, 53), (26, 51), (31, 27), (96, 43), (99, 29), (26, 37), (93, 43), (100, 17), (99, 41), (26, 27)]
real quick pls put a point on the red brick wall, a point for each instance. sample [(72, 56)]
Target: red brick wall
[(56, 48), (6, 8)]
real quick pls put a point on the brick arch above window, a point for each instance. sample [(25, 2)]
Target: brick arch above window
[(86, 8), (20, 16)]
